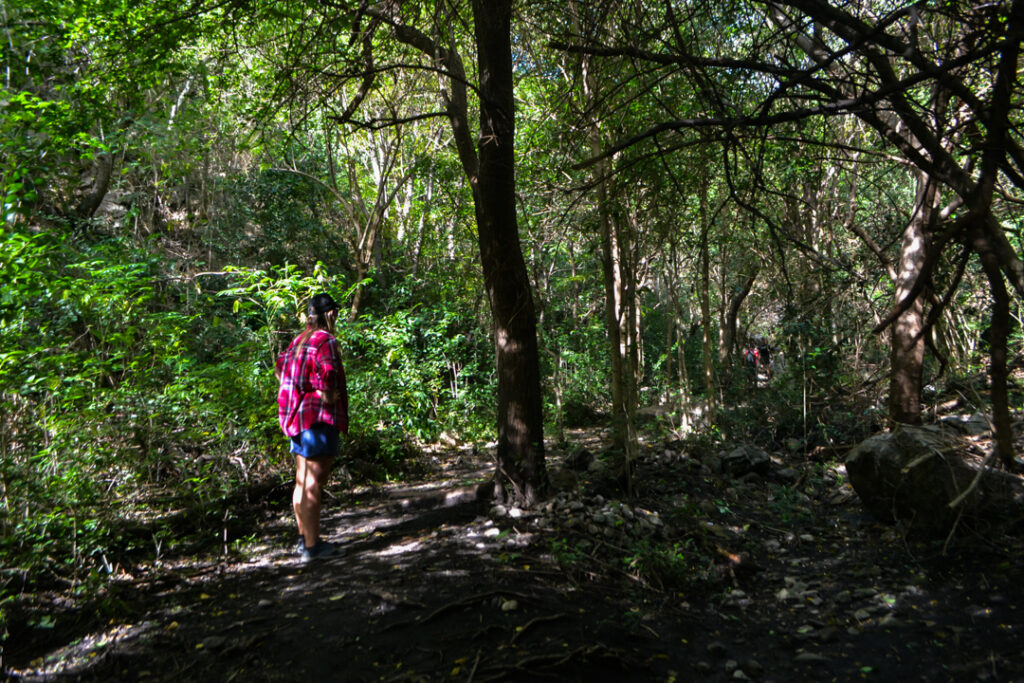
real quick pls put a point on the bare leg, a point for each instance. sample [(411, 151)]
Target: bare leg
[(310, 477)]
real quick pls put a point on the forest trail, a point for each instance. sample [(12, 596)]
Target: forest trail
[(434, 586)]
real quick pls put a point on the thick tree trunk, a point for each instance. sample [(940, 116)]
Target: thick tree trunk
[(999, 331), (907, 353), (103, 166), (521, 476), (732, 313), (612, 313)]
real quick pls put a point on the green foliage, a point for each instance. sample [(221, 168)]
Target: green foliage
[(105, 393), (423, 369), (124, 382), (671, 566), (569, 556)]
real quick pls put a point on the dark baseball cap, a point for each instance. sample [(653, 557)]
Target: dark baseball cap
[(322, 303)]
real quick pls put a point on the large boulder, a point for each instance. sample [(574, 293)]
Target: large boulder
[(912, 474)]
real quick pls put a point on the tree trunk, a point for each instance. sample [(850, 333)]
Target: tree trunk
[(104, 166), (617, 275), (907, 353), (521, 477), (732, 314), (999, 330), (705, 299)]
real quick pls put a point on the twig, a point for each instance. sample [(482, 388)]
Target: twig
[(914, 463), (945, 546), (452, 605), (984, 466), (547, 660), (535, 620), (476, 663), (653, 632), (977, 479)]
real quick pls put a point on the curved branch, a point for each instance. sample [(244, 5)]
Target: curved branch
[(456, 101)]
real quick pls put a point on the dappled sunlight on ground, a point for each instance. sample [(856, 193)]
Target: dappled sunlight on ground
[(783, 583)]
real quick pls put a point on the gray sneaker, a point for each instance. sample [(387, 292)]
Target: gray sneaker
[(321, 549)]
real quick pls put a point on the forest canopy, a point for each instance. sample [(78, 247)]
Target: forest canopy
[(536, 216)]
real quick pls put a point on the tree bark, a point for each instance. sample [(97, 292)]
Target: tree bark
[(521, 476), (732, 315), (907, 351), (618, 292), (104, 166), (999, 330), (489, 166), (705, 299)]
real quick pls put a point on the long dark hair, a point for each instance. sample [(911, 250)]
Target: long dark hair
[(317, 316)]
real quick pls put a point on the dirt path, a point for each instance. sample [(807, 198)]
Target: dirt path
[(434, 586)]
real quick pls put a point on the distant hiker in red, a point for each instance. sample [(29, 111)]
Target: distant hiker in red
[(312, 408), (752, 356)]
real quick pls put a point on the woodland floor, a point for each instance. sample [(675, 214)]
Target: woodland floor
[(435, 587)]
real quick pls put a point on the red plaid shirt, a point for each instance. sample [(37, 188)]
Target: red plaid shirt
[(304, 369)]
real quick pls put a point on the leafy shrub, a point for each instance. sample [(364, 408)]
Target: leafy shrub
[(672, 566)]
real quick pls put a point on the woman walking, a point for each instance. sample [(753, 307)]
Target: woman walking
[(312, 408)]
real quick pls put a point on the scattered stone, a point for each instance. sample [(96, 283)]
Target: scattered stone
[(978, 612), (787, 475), (890, 620), (214, 642), (746, 459), (579, 458), (717, 649), (753, 667), (702, 668), (731, 665), (829, 634), (809, 658), (971, 425)]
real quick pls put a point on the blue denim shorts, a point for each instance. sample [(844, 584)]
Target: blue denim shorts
[(319, 441)]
